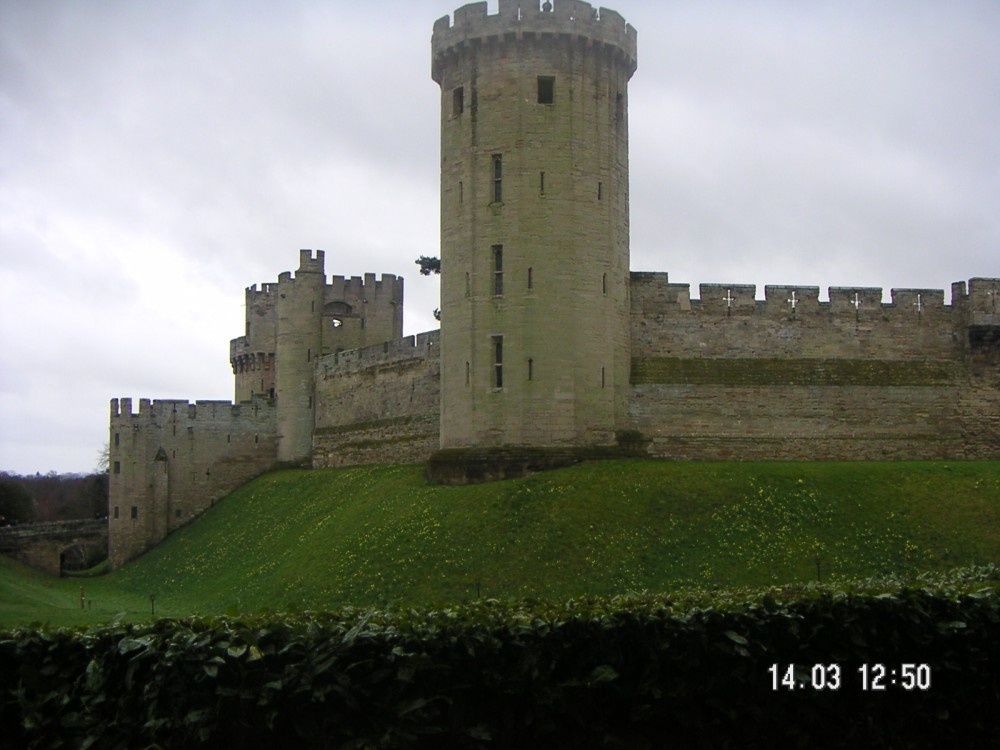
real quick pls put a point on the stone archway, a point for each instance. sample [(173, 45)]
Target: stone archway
[(80, 556)]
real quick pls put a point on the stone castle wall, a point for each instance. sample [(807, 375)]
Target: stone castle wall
[(379, 404), (172, 460), (727, 376), (720, 377)]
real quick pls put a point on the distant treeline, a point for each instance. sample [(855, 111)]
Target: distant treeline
[(52, 497)]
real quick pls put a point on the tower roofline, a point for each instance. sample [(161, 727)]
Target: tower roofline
[(517, 18)]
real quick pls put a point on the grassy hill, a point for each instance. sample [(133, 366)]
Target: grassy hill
[(376, 535)]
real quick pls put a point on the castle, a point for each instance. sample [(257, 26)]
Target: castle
[(547, 340)]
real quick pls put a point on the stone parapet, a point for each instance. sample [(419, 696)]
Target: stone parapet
[(792, 322), (419, 346), (517, 19)]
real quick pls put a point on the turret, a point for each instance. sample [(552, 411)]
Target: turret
[(298, 345)]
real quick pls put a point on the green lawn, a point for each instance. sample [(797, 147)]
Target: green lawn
[(380, 535)]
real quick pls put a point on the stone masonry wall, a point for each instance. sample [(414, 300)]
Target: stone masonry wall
[(379, 404), (742, 379), (173, 459), (731, 377)]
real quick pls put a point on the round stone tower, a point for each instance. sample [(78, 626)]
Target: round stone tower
[(534, 223)]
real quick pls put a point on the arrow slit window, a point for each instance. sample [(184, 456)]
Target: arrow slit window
[(498, 270), (497, 178), (498, 361)]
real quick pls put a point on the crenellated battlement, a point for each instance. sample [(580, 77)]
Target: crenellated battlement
[(728, 321), (267, 290), (519, 19), (420, 346), (652, 293), (310, 262), (368, 289), (166, 408), (979, 299), (388, 286)]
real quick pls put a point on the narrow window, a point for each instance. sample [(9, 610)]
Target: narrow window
[(256, 438), (541, 183), (117, 438), (312, 306), (531, 368), (619, 108), (457, 101), (604, 284), (310, 402), (309, 354), (497, 178), (498, 270), (468, 284), (600, 191), (531, 280), (498, 361), (118, 467), (546, 89), (468, 373), (461, 192), (135, 512), (178, 513), (602, 377)]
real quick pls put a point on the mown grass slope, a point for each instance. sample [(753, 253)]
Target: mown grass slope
[(376, 535)]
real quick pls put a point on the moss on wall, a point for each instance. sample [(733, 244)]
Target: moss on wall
[(805, 372)]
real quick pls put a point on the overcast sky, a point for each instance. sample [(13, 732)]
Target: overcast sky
[(157, 158)]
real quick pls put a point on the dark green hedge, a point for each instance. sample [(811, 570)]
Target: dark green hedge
[(476, 465), (621, 673)]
